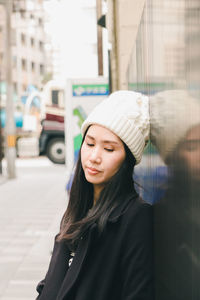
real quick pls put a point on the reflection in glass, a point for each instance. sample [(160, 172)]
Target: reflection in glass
[(175, 130), (165, 64)]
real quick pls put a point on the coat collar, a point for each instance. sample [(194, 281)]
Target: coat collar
[(121, 208)]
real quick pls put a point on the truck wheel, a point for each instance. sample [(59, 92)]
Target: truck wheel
[(56, 150)]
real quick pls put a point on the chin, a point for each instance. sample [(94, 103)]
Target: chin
[(92, 180)]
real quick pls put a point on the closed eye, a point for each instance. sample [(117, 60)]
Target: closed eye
[(90, 145), (109, 150)]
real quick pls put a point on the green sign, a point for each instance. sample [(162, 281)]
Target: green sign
[(80, 90)]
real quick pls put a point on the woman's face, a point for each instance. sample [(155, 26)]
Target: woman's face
[(102, 154), (189, 153)]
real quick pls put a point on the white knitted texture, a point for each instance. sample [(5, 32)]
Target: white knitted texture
[(172, 114), (125, 113)]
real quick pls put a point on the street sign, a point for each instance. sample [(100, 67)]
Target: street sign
[(82, 95), (90, 90)]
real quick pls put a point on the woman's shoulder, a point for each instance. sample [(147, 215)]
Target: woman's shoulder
[(138, 216), (131, 207), (140, 205), (137, 206)]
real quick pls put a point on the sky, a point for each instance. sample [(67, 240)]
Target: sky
[(72, 28)]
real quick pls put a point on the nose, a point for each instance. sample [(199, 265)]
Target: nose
[(95, 155)]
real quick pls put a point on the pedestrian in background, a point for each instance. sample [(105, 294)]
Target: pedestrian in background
[(104, 248)]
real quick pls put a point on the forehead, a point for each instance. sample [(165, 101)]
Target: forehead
[(102, 133), (194, 133)]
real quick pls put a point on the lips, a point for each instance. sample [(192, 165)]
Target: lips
[(92, 171)]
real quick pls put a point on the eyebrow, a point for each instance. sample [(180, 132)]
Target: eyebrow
[(104, 141)]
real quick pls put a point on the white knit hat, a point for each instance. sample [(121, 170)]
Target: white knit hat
[(172, 114), (126, 113)]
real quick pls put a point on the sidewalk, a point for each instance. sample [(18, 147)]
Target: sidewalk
[(30, 211), (2, 179)]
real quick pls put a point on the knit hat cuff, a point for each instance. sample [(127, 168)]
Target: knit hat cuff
[(128, 133)]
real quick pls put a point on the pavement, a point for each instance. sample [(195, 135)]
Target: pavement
[(31, 207)]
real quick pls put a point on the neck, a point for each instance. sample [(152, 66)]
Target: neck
[(97, 191)]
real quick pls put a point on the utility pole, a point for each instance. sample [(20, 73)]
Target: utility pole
[(10, 129), (99, 38)]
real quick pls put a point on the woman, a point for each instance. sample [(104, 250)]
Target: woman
[(104, 248)]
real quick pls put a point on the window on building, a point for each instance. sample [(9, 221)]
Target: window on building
[(32, 42), (22, 14), (32, 66), (40, 22), (23, 39), (41, 69), (15, 87), (41, 45), (55, 96), (24, 64)]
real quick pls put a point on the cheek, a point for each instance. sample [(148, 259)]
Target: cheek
[(119, 162), (115, 163), (189, 159)]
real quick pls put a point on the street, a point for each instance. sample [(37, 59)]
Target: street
[(30, 212)]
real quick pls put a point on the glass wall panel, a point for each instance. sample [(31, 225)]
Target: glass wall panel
[(165, 64)]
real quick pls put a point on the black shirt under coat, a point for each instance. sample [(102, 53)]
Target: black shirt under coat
[(115, 265)]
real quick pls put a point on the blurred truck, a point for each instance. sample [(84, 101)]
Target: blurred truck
[(52, 139)]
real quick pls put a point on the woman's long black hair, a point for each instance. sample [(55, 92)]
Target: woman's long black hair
[(81, 212)]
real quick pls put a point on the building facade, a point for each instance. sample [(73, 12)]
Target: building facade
[(28, 46)]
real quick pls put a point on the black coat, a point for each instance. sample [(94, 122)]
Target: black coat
[(117, 265), (177, 243)]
